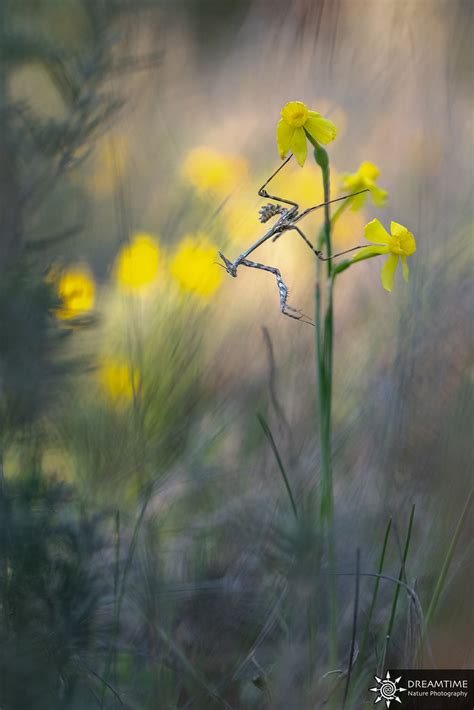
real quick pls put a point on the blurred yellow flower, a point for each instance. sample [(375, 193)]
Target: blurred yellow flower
[(193, 266), (109, 162), (304, 186), (346, 227), (137, 262), (76, 289), (118, 380), (399, 244), (297, 122), (209, 170), (240, 216), (365, 177)]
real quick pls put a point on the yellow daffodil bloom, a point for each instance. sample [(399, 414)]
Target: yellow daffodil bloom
[(365, 177), (137, 263), (348, 225), (209, 170), (193, 266), (240, 216), (296, 123), (118, 380), (398, 245), (76, 289)]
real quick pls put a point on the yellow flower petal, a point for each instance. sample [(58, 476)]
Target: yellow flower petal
[(364, 178), (295, 113), (387, 275), (406, 240), (284, 137), (408, 244), (193, 266), (350, 181), (321, 129), (358, 201), (137, 263), (375, 232), (298, 145), (405, 269), (397, 230), (76, 289), (379, 196), (368, 170), (118, 380)]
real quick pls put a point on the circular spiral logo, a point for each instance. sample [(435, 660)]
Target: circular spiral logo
[(387, 689)]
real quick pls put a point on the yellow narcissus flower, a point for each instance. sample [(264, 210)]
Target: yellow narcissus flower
[(399, 244), (346, 227), (365, 177), (193, 266), (76, 289), (137, 263), (240, 217), (296, 123), (118, 380), (209, 170)]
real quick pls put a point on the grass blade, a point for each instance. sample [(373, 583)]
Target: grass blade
[(271, 440), (401, 574), (447, 562), (354, 631), (376, 591)]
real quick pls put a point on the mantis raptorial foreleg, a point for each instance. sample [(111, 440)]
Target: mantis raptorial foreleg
[(286, 309)]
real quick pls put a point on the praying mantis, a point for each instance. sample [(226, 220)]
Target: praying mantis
[(288, 219)]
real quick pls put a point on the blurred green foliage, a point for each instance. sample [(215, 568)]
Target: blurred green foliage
[(49, 596)]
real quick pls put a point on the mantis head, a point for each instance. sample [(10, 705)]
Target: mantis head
[(228, 265)]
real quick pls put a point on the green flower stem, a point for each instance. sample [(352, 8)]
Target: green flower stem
[(343, 265), (324, 347), (324, 354)]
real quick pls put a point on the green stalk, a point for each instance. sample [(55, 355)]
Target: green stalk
[(401, 574), (447, 562), (375, 592), (116, 589), (324, 346), (324, 354), (121, 584)]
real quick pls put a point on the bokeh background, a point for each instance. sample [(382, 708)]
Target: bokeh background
[(149, 557)]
